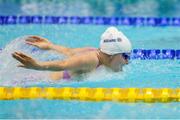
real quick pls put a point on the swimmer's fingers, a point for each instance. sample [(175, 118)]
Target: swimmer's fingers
[(22, 57), (35, 37), (32, 40), (26, 61), (29, 39), (31, 43), (25, 57), (38, 39), (18, 57)]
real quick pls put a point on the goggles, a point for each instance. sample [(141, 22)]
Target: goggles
[(126, 56)]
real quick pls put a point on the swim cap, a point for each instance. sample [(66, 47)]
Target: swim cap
[(114, 42)]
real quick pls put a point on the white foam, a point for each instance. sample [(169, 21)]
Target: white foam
[(11, 75)]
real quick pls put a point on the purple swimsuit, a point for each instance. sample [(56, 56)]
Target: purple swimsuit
[(66, 75)]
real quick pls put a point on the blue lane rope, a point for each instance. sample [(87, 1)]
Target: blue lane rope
[(144, 54), (134, 21), (155, 54)]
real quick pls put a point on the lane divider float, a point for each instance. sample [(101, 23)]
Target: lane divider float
[(92, 94), (98, 20)]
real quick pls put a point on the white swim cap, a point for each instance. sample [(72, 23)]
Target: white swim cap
[(114, 42)]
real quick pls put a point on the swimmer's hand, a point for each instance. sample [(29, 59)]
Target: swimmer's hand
[(39, 42), (26, 61)]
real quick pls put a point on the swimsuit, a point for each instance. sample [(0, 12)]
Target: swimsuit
[(66, 74)]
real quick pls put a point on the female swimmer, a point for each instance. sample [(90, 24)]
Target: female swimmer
[(114, 52)]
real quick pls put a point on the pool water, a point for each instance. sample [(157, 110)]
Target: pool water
[(139, 73)]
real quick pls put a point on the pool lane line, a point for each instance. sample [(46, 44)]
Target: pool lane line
[(94, 20), (130, 95)]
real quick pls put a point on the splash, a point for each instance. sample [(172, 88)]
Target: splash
[(11, 75)]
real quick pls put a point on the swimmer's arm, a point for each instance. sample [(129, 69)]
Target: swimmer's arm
[(61, 49), (68, 51), (73, 63), (45, 44)]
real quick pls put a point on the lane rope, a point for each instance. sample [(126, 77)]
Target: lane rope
[(99, 20), (92, 94)]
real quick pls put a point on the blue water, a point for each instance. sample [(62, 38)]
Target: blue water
[(162, 8), (139, 73)]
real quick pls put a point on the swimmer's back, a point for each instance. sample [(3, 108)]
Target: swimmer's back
[(89, 55)]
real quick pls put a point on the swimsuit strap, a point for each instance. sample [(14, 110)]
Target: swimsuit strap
[(98, 60)]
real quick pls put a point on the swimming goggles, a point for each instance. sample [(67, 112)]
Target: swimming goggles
[(126, 56)]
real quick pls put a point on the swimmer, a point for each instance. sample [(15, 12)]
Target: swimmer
[(114, 53)]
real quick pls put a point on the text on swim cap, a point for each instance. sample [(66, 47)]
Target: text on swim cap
[(112, 40)]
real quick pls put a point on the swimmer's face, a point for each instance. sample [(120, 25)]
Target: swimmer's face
[(118, 61)]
